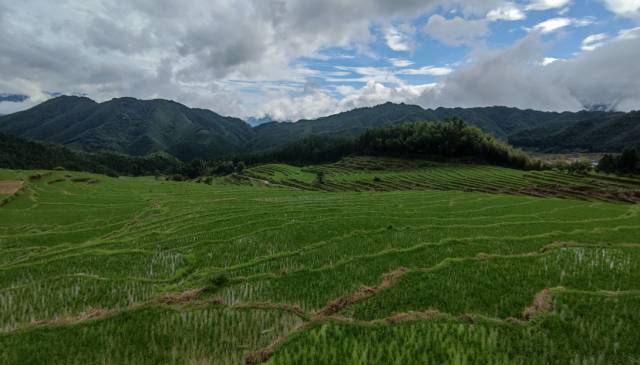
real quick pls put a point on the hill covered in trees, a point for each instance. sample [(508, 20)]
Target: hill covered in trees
[(18, 154), (451, 139), (141, 127), (612, 132), (130, 126), (499, 121)]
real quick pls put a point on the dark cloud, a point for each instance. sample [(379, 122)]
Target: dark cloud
[(13, 98), (204, 53)]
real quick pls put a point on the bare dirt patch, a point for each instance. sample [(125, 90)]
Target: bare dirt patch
[(363, 292), (427, 315), (10, 187), (175, 298), (90, 314), (542, 303)]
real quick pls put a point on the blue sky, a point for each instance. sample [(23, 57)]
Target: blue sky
[(292, 59)]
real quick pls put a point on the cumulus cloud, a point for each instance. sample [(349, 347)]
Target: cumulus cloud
[(549, 60), (547, 4), (594, 41), (607, 75), (553, 24), (318, 102), (400, 38), (196, 51), (456, 31), (244, 57), (623, 7), (508, 77), (400, 62), (508, 12), (427, 70)]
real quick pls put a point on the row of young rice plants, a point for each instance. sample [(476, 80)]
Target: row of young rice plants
[(154, 335), (295, 247), (584, 328), (67, 297), (504, 286)]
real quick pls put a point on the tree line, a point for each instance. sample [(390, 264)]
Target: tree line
[(18, 153), (628, 162), (451, 139)]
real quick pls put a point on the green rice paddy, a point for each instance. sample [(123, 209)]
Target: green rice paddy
[(386, 261)]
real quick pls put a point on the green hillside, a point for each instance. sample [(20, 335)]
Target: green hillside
[(19, 153), (499, 121), (383, 261), (130, 126), (613, 132), (368, 174), (140, 127)]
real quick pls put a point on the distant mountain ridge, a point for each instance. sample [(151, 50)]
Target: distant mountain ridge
[(497, 120), (142, 127), (130, 126)]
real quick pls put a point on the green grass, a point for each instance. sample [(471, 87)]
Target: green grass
[(473, 240)]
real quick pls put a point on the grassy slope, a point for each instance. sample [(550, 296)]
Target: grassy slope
[(386, 174), (119, 245)]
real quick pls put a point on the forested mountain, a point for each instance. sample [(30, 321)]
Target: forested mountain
[(140, 127), (499, 121), (19, 153), (612, 132), (130, 126)]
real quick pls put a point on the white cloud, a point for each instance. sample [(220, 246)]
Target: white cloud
[(241, 57), (508, 11), (399, 38), (632, 33), (553, 24), (400, 62), (367, 74), (549, 60), (427, 70), (456, 31), (623, 7), (607, 75), (547, 4), (594, 41), (320, 103), (191, 51)]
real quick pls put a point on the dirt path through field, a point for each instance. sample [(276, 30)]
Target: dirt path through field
[(10, 187)]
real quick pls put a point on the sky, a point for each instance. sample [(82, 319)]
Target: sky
[(295, 59)]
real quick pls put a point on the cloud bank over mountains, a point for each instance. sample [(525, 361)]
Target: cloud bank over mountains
[(294, 59)]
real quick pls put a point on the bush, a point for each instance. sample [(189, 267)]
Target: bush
[(626, 163), (580, 167), (218, 281), (319, 180), (449, 139)]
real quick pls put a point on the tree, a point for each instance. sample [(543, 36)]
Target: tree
[(607, 164), (628, 161), (319, 180), (240, 166), (579, 167)]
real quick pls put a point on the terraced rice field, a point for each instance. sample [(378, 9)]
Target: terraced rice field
[(425, 264), (367, 174)]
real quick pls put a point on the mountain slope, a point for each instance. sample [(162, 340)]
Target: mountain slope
[(499, 121), (131, 126), (610, 133), (18, 153), (141, 127)]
